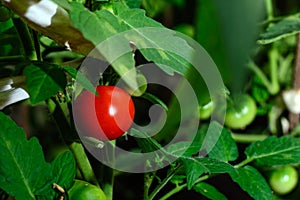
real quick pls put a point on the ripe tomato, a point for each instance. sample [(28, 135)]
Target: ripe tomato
[(82, 190), (283, 180), (106, 116), (240, 112)]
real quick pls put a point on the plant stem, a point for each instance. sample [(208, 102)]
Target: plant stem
[(247, 138), (260, 75), (163, 183), (180, 187), (148, 179), (106, 175), (37, 46), (244, 162), (83, 163), (269, 9), (14, 59), (273, 56), (25, 38), (273, 85), (173, 191), (76, 148)]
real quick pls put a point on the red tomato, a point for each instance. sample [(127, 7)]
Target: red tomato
[(106, 116)]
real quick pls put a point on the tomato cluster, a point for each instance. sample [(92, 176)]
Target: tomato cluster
[(240, 111)]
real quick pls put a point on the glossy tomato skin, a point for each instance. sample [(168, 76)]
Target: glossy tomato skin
[(240, 112), (105, 116), (82, 190), (206, 110), (283, 180)]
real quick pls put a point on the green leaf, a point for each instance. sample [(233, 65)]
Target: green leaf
[(183, 148), (146, 143), (4, 26), (178, 179), (155, 100), (251, 181), (133, 3), (156, 45), (195, 167), (23, 170), (209, 191), (44, 81), (111, 51), (64, 169), (275, 151), (225, 149), (63, 3), (284, 28), (80, 78), (194, 170)]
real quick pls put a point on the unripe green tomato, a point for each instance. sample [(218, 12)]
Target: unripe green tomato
[(142, 83), (206, 110), (82, 190), (283, 180), (240, 112), (186, 29)]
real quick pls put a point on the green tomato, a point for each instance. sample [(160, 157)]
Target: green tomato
[(206, 110), (142, 86), (186, 29), (283, 180), (82, 190), (240, 112)]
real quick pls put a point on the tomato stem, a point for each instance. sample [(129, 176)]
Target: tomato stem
[(148, 179), (269, 9), (83, 163), (273, 85), (17, 58), (178, 188), (60, 115), (244, 162), (248, 138), (26, 39), (163, 183)]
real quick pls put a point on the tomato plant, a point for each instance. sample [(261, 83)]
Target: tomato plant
[(106, 115), (284, 179), (76, 74)]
